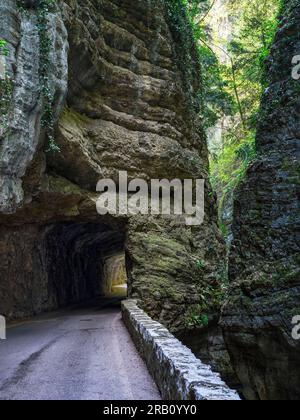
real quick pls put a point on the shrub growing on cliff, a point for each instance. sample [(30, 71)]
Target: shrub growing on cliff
[(6, 89), (3, 48), (195, 320)]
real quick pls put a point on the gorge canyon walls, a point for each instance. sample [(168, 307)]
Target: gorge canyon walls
[(94, 87)]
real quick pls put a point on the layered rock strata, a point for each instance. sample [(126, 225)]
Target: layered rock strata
[(264, 261)]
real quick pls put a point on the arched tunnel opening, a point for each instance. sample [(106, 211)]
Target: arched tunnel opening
[(85, 261), (44, 267)]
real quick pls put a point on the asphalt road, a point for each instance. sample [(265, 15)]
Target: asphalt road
[(79, 354)]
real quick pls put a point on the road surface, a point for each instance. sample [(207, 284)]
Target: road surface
[(79, 354)]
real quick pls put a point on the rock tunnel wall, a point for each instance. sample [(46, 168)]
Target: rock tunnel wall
[(264, 261), (124, 86)]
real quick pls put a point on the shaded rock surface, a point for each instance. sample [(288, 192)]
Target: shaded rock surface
[(130, 105), (208, 345), (264, 261)]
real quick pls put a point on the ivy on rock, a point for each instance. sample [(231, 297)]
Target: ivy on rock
[(42, 8), (45, 7), (6, 88)]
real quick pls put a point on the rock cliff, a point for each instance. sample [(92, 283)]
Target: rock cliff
[(264, 261), (98, 87)]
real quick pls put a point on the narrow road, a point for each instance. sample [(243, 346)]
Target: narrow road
[(79, 354)]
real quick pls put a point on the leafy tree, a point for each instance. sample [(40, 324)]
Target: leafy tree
[(231, 89), (254, 28), (216, 98)]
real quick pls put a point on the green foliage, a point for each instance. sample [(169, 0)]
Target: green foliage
[(254, 27), (253, 36), (6, 89), (211, 298), (230, 167), (43, 9), (217, 100), (200, 264), (4, 51), (210, 97), (193, 321), (187, 54)]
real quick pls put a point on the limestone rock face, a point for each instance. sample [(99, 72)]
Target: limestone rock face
[(130, 105), (21, 131), (264, 262)]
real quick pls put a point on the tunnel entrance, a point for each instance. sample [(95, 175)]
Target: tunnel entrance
[(85, 261), (44, 267), (115, 276)]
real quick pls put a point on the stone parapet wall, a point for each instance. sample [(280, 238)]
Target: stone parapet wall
[(177, 372)]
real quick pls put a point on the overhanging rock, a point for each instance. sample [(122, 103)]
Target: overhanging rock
[(177, 372)]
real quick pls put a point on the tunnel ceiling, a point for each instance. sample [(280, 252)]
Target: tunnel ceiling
[(81, 236)]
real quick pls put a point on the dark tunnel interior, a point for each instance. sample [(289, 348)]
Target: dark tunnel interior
[(46, 267), (77, 258)]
